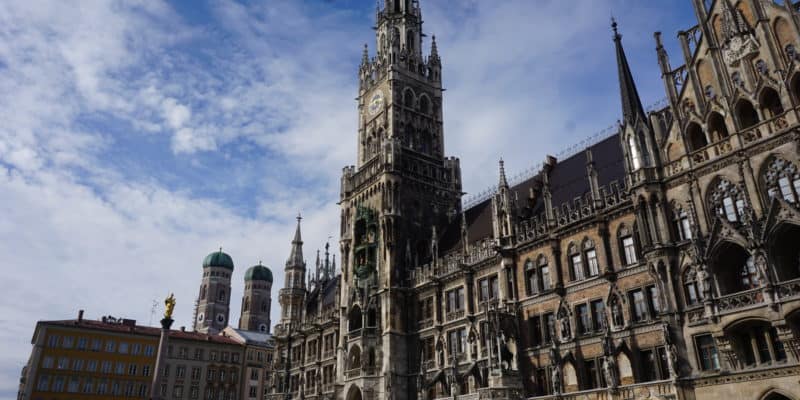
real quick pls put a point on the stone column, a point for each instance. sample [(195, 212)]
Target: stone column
[(163, 342)]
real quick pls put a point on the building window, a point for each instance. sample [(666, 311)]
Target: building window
[(707, 352), (47, 362), (531, 285), (145, 370), (132, 369), (52, 341), (149, 350), (110, 346), (123, 348), (196, 373), (426, 309), (180, 371), (598, 315), (591, 258), (58, 384), (455, 299), (550, 327), (782, 180), (682, 224), (629, 249), (638, 305), (653, 364), (457, 341), (654, 306), (594, 373), (535, 326), (44, 383), (68, 342), (91, 365), (690, 284), (88, 386), (82, 342), (487, 288), (727, 200), (582, 319), (63, 363), (576, 263), (544, 273)]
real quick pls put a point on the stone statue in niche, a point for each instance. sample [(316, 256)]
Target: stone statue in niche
[(705, 282), (610, 371)]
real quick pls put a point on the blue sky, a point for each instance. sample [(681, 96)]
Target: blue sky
[(137, 136)]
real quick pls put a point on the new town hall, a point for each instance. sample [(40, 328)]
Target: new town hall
[(661, 262)]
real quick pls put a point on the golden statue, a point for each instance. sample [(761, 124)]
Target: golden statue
[(169, 305)]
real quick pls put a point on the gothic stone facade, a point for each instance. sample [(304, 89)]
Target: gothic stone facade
[(659, 262)]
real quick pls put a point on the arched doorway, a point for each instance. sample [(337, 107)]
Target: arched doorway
[(696, 137), (746, 113), (354, 393), (734, 269), (784, 251), (776, 396), (716, 127), (770, 103)]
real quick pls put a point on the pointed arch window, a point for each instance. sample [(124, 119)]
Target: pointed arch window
[(408, 98), (221, 296), (203, 292), (727, 200), (782, 180)]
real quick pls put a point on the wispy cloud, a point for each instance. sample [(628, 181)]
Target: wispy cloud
[(138, 136)]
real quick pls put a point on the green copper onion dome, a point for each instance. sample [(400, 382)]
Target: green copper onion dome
[(218, 259), (258, 273)]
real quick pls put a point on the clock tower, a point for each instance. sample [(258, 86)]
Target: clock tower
[(392, 201)]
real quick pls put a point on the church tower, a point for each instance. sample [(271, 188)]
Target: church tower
[(292, 296), (401, 188), (257, 299), (213, 303)]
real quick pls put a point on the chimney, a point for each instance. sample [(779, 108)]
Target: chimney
[(183, 329), (80, 315)]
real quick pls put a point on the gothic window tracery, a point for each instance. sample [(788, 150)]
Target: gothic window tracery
[(746, 113), (782, 179), (727, 200)]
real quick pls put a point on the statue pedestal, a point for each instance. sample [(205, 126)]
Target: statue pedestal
[(504, 385)]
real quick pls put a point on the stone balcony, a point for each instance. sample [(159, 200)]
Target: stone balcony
[(647, 390), (728, 145)]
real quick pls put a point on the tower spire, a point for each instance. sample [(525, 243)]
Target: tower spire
[(503, 181), (631, 103), (296, 256)]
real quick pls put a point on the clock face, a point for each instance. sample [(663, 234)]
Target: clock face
[(375, 102), (220, 318), (200, 317)]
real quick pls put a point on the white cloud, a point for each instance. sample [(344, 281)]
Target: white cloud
[(262, 84)]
